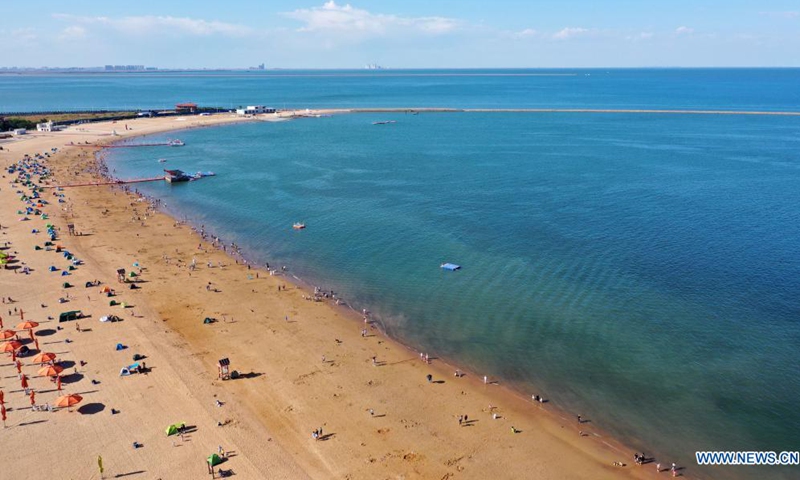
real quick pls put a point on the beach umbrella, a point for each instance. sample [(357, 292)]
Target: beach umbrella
[(27, 325), (50, 370), (11, 346), (45, 357), (68, 400), (6, 334)]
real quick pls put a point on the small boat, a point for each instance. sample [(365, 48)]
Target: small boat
[(384, 122), (299, 226), (175, 143)]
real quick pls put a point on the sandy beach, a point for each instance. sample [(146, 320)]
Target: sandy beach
[(304, 365)]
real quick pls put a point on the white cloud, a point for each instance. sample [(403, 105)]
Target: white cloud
[(641, 36), (569, 32), (72, 32), (149, 24), (789, 14), (684, 31), (527, 33), (346, 18)]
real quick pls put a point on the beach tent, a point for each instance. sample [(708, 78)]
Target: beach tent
[(66, 285), (120, 347), (52, 268), (124, 372), (112, 303), (71, 315), (175, 428), (89, 284), (105, 289), (208, 320), (64, 273), (214, 460)]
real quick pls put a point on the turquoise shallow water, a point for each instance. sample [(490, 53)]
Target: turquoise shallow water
[(640, 270)]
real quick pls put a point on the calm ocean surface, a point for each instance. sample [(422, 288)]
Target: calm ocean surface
[(642, 270)]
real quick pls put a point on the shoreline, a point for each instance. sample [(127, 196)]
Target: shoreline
[(517, 403), (444, 365)]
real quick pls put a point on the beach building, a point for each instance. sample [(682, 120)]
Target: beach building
[(47, 127), (20, 131), (186, 108), (254, 110)]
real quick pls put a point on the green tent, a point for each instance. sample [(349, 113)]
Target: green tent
[(71, 315), (174, 429), (214, 460)]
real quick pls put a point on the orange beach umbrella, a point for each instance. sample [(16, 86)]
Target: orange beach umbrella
[(68, 400), (45, 357), (11, 346), (6, 334), (27, 325), (50, 370)]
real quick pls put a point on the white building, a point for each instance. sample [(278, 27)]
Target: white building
[(20, 131), (254, 110), (45, 127)]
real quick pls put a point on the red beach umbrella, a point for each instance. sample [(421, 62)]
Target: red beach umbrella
[(27, 325), (50, 370), (11, 346), (6, 334), (68, 400), (45, 357)]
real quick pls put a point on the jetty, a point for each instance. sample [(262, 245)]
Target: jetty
[(109, 182), (169, 143)]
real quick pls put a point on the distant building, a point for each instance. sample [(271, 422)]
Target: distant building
[(20, 131), (47, 127), (254, 110), (186, 108)]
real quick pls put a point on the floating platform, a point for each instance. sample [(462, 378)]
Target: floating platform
[(451, 266)]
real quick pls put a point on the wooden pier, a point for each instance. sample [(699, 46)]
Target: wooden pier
[(110, 182)]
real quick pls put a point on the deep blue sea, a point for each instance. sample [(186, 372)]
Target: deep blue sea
[(642, 270)]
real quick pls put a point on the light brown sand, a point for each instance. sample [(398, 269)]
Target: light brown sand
[(290, 390)]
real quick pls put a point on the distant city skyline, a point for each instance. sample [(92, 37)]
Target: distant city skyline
[(410, 34)]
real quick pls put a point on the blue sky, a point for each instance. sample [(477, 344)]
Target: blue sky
[(401, 34)]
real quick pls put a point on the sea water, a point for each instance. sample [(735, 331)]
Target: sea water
[(641, 270)]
